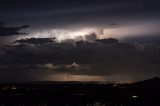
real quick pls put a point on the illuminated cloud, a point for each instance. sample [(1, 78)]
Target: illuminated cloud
[(119, 19)]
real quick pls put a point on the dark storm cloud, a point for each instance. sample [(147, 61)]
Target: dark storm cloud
[(10, 31), (84, 58), (91, 37), (153, 39), (65, 13), (35, 41)]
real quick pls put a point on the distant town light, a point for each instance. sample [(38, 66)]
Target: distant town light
[(134, 96), (13, 88)]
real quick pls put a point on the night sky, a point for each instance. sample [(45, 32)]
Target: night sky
[(79, 40)]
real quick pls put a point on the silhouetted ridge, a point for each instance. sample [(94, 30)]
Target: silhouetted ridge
[(150, 83)]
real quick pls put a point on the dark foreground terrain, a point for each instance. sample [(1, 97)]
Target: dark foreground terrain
[(144, 93)]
